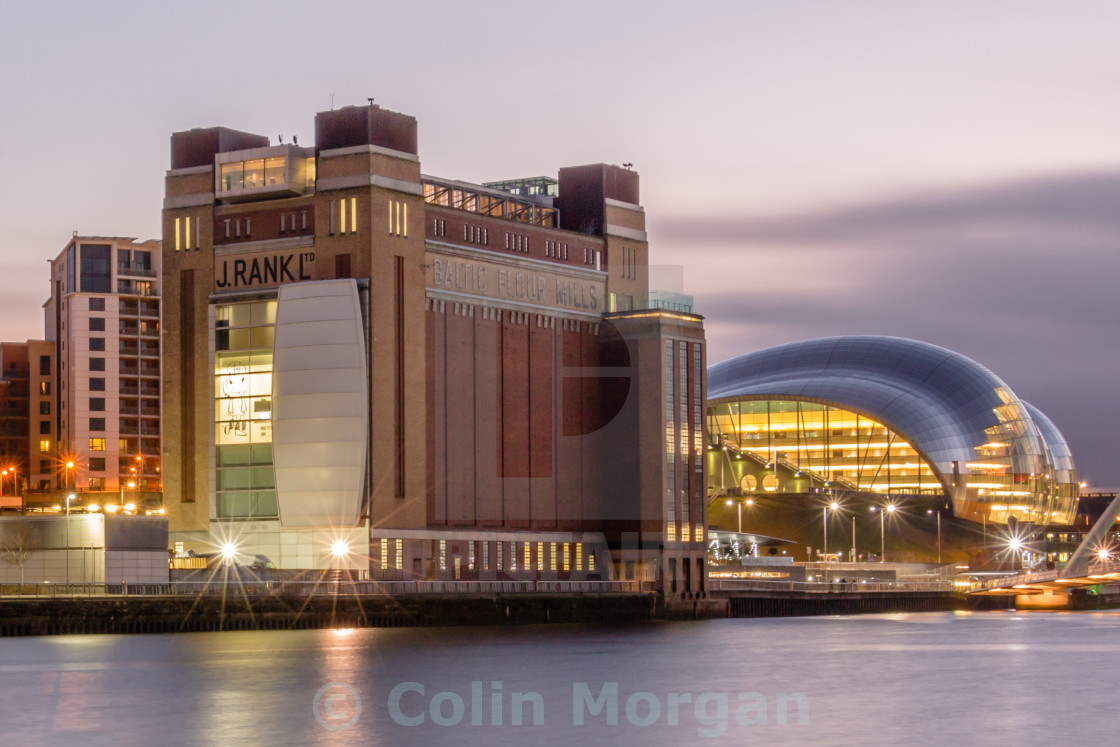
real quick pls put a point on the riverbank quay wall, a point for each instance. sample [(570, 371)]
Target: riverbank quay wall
[(213, 612), (200, 613), (804, 604)]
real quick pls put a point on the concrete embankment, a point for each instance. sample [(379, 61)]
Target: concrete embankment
[(795, 604), (38, 616)]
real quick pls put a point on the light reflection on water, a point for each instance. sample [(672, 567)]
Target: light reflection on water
[(933, 678)]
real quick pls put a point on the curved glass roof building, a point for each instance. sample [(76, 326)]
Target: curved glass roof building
[(892, 416)]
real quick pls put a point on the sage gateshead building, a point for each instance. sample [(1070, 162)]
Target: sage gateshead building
[(375, 367), (886, 416)]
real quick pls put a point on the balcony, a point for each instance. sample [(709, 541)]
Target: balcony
[(150, 409), (129, 370), (149, 430), (135, 270), (137, 288), (129, 430), (129, 347), (150, 389), (149, 350), (130, 389), (149, 308)]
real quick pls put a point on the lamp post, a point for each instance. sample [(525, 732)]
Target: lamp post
[(3, 474), (853, 558), (834, 506), (931, 511), (889, 508), (69, 498)]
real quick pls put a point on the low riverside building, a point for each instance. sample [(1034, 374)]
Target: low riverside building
[(375, 367), (87, 548)]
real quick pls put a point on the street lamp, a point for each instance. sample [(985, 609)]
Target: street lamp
[(1015, 545), (890, 508), (69, 498), (69, 474), (229, 552), (834, 506), (931, 511)]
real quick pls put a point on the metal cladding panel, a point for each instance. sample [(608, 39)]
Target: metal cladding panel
[(947, 405), (320, 399)]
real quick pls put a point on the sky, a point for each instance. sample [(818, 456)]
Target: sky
[(947, 171)]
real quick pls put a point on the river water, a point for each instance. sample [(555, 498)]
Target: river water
[(998, 678)]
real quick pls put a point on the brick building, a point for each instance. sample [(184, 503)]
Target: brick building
[(27, 422), (468, 379)]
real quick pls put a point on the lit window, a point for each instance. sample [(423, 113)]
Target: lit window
[(443, 555), (579, 556), (45, 446), (400, 553), (567, 557), (384, 553), (353, 215), (97, 444)]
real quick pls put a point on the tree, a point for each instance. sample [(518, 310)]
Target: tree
[(17, 545)]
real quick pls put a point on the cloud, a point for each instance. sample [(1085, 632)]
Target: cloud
[(1019, 276), (1080, 207)]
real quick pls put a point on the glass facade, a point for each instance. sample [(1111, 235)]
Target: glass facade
[(890, 415), (244, 480), (787, 446)]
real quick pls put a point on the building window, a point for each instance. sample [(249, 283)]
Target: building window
[(97, 304), (96, 364), (45, 408), (97, 324), (45, 446), (245, 479), (44, 427), (97, 424), (97, 344), (97, 404), (342, 266), (44, 365), (398, 218), (44, 465), (97, 444), (400, 554), (97, 384), (97, 464), (44, 387)]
